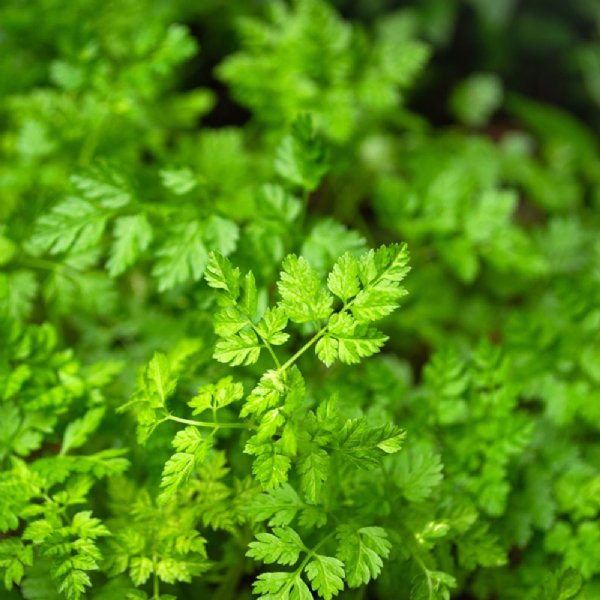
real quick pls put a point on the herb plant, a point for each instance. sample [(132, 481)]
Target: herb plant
[(269, 330)]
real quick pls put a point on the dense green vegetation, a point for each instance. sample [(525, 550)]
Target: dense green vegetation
[(299, 300)]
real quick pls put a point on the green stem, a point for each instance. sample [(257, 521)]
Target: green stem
[(425, 570), (265, 342), (155, 582), (320, 333), (272, 353), (313, 552), (305, 200), (207, 423), (309, 555), (304, 348)]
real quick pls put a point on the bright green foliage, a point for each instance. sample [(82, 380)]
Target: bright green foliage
[(563, 586), (369, 288), (15, 557), (309, 59), (219, 378), (287, 441), (325, 574), (39, 386), (302, 158), (302, 296), (152, 542), (362, 551), (475, 99), (283, 546)]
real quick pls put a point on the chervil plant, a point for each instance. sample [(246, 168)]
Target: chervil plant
[(268, 330), (307, 457)]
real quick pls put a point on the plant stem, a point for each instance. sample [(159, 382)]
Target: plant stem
[(322, 331), (309, 555), (425, 570), (302, 350), (155, 583), (265, 342), (212, 425), (272, 353), (305, 201)]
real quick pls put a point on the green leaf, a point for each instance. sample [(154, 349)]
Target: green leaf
[(88, 527), (17, 292), (380, 273), (70, 561), (283, 547), (417, 471), (476, 98), (327, 241), (275, 388), (348, 340), (281, 586), (302, 159), (300, 590), (220, 274), (103, 185), (178, 470), (325, 574), (242, 348), (74, 225), (270, 423), (271, 326), (192, 448), (304, 298), (188, 440), (221, 234), (182, 258), (34, 139), (274, 586), (313, 469), (365, 446), (343, 280), (267, 394), (78, 431), (327, 349), (432, 585), (217, 395), (248, 301), (14, 557), (37, 531), (140, 569), (271, 469), (480, 547), (133, 235), (228, 321), (564, 585), (73, 584), (362, 551), (179, 181), (279, 506), (172, 569), (491, 215), (160, 381)]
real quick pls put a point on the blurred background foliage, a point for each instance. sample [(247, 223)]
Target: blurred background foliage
[(467, 128)]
